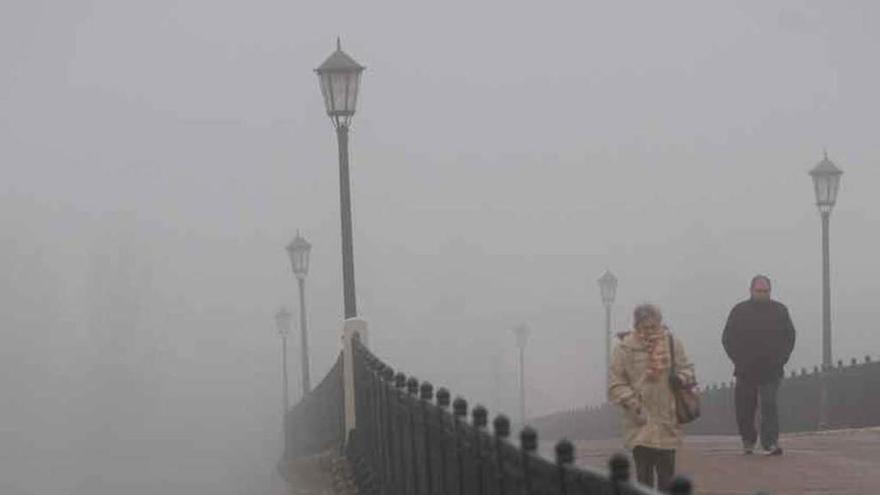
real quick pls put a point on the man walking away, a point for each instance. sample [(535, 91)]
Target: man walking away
[(758, 338)]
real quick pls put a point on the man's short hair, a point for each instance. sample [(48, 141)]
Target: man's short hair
[(763, 278)]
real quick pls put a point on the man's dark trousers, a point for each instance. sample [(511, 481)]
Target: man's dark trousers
[(746, 396)]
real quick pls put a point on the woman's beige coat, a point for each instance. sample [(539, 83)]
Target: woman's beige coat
[(648, 415)]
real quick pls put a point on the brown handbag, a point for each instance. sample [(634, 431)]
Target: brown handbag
[(687, 399)]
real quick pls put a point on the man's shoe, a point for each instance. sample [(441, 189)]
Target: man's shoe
[(773, 450), (748, 448)]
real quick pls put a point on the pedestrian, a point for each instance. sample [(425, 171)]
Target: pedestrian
[(639, 383), (758, 337)]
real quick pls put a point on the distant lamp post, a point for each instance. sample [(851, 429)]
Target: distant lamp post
[(522, 336), (826, 181), (608, 290), (340, 79), (282, 324), (299, 250)]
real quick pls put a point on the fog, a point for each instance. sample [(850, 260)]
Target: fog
[(157, 156)]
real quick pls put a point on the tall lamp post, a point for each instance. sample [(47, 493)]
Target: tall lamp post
[(608, 291), (522, 336), (340, 77), (282, 324), (299, 250), (826, 182)]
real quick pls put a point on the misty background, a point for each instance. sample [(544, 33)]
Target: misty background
[(157, 156)]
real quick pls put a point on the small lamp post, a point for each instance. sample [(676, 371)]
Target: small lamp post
[(826, 182), (522, 336), (608, 291), (299, 250), (282, 324)]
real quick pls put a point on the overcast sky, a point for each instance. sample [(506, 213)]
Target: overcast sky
[(502, 157)]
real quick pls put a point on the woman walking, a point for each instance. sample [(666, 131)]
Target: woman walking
[(640, 382)]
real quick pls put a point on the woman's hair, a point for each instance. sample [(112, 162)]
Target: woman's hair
[(646, 312)]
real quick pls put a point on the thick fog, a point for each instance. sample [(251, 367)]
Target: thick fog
[(157, 156)]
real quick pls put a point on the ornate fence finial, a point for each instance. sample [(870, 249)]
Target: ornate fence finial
[(426, 392), (564, 452), (400, 380), (619, 468), (480, 416), (528, 439), (412, 386), (680, 486), (443, 397), (388, 374), (459, 408), (501, 426)]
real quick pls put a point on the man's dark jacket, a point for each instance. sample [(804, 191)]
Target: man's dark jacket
[(759, 337)]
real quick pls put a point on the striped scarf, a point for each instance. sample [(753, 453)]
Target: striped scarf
[(657, 344)]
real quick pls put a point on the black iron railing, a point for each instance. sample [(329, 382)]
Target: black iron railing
[(411, 440), (316, 423)]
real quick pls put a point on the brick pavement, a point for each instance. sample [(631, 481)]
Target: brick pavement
[(842, 462)]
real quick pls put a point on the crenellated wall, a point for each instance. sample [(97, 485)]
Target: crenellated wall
[(853, 402)]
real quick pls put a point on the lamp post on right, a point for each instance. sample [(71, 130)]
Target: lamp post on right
[(826, 182), (608, 291), (522, 336)]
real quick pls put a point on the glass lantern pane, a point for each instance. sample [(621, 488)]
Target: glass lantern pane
[(833, 186), (353, 84), (327, 92), (339, 86), (609, 292), (817, 185)]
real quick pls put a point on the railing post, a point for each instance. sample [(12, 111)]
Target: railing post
[(412, 387), (443, 404), (564, 458), (351, 328), (400, 413), (619, 471), (528, 442), (459, 411), (377, 431), (501, 427), (387, 417), (427, 395), (480, 418)]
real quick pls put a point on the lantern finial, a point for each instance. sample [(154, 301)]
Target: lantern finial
[(338, 44)]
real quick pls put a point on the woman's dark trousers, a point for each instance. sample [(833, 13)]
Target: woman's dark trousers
[(650, 461)]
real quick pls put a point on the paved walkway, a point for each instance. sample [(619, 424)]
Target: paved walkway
[(842, 462)]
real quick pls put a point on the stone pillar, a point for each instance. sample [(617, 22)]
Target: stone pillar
[(350, 328)]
